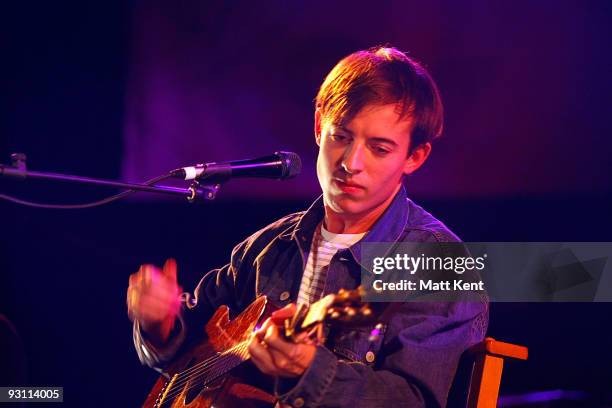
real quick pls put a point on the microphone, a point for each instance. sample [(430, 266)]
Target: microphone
[(280, 165)]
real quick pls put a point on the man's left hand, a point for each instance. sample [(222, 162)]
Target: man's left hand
[(275, 356)]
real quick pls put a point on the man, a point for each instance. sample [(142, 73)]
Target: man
[(376, 115)]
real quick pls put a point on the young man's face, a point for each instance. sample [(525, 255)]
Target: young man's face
[(360, 165)]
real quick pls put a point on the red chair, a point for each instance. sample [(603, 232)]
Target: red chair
[(487, 370)]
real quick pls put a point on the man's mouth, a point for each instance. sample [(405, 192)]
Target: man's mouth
[(347, 186)]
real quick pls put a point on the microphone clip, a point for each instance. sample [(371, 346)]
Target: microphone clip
[(202, 192)]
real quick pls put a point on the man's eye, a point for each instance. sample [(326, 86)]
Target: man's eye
[(338, 138), (381, 150)]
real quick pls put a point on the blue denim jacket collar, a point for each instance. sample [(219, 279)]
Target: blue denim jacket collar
[(388, 228)]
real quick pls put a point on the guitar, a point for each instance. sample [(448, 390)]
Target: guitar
[(214, 371)]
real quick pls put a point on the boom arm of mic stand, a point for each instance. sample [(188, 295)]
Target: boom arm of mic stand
[(195, 192)]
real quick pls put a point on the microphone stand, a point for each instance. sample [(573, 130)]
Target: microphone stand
[(195, 192)]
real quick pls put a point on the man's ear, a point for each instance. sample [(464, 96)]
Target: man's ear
[(317, 126), (417, 158)]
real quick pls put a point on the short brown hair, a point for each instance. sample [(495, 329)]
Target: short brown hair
[(381, 76)]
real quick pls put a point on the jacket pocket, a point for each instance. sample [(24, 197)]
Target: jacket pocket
[(358, 345)]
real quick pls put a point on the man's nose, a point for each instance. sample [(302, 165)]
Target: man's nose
[(353, 160)]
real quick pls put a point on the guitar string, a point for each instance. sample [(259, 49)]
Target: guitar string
[(211, 359), (222, 365), (215, 363), (218, 371), (187, 375), (170, 397)]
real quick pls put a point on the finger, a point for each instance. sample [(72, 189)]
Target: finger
[(146, 275), (285, 366), (274, 341), (304, 338), (279, 359), (169, 269), (261, 357), (261, 332), (279, 316), (132, 303)]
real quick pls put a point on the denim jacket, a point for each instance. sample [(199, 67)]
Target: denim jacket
[(415, 358)]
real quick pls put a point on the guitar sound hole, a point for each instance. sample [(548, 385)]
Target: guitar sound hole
[(192, 393)]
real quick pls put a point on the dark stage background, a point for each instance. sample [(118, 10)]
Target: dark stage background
[(132, 89)]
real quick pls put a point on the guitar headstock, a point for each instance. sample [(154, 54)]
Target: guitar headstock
[(348, 309), (344, 308)]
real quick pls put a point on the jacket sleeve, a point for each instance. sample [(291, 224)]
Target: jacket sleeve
[(416, 364), (228, 285)]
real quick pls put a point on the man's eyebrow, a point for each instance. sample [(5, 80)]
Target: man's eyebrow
[(383, 140), (378, 139), (343, 128)]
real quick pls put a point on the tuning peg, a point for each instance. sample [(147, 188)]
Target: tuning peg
[(335, 314), (366, 311), (349, 311)]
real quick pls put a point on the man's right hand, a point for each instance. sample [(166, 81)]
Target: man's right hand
[(153, 298)]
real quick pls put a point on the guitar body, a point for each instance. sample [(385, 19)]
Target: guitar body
[(218, 372), (199, 378)]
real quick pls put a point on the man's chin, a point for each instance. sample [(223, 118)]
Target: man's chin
[(348, 205)]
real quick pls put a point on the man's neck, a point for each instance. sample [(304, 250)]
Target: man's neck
[(355, 223)]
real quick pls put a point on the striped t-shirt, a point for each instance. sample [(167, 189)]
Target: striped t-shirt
[(324, 246)]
